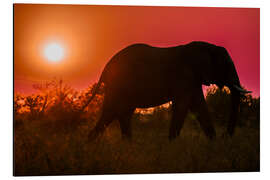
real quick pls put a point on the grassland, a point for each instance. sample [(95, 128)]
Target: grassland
[(50, 138)]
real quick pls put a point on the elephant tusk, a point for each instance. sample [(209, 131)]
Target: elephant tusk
[(241, 90)]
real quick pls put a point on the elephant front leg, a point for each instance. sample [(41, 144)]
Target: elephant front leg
[(199, 107), (179, 114)]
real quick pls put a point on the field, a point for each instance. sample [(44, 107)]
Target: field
[(50, 137)]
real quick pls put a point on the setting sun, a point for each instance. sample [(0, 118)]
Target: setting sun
[(75, 42), (54, 52), (117, 89)]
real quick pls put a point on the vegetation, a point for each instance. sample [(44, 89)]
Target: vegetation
[(51, 137)]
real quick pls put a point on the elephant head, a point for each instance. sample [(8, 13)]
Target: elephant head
[(218, 68)]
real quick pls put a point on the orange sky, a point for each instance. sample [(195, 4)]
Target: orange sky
[(91, 35)]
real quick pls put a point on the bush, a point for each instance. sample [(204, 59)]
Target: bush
[(219, 103)]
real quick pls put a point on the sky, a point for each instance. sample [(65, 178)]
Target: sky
[(88, 36)]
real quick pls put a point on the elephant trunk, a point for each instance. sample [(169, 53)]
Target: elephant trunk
[(236, 92), (235, 101)]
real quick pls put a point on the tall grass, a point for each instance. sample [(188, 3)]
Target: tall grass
[(51, 137)]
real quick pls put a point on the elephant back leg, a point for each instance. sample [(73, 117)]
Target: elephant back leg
[(180, 109), (107, 116), (124, 117), (199, 107)]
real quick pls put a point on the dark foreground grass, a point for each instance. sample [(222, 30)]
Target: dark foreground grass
[(42, 147), (50, 137)]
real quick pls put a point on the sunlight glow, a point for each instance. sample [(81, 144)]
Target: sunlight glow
[(54, 52)]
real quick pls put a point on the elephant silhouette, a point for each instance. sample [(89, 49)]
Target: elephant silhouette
[(141, 76)]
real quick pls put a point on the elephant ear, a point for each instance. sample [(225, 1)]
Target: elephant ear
[(209, 67), (218, 63), (202, 67), (205, 79)]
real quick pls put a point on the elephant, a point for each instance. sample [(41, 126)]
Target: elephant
[(142, 76)]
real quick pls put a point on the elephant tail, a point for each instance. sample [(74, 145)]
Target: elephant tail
[(94, 92)]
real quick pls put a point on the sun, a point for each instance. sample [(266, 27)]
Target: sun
[(54, 52)]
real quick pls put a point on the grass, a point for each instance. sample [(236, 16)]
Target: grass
[(42, 149), (51, 139)]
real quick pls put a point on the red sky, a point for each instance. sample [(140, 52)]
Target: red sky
[(91, 35)]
